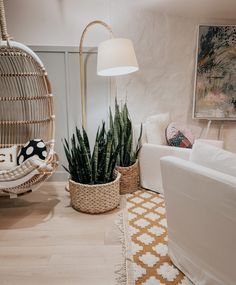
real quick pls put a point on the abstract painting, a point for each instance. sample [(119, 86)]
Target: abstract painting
[(215, 82)]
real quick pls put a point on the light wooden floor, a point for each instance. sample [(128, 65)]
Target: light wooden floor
[(44, 241)]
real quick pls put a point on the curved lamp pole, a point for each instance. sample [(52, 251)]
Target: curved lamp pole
[(81, 58), (116, 56)]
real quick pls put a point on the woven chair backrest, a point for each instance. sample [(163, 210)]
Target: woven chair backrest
[(26, 102)]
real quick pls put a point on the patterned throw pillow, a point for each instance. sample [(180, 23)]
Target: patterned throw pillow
[(33, 148), (8, 157), (177, 134), (180, 140), (179, 131)]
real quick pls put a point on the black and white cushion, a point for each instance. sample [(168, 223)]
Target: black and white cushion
[(33, 148)]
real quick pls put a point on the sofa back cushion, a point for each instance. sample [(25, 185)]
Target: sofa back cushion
[(155, 128), (214, 158), (215, 143)]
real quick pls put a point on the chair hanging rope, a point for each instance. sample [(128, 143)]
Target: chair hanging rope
[(3, 23)]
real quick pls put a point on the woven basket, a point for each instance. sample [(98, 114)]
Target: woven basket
[(95, 199), (129, 181)]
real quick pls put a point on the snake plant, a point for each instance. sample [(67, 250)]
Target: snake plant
[(122, 131), (91, 168)]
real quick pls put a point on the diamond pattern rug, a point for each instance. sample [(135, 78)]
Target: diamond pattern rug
[(147, 229)]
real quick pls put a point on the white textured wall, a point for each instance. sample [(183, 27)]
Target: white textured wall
[(165, 46), (166, 50), (55, 22)]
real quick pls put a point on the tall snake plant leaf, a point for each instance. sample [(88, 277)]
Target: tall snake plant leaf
[(69, 159), (73, 148), (101, 143), (73, 144), (85, 157), (86, 142), (117, 122), (95, 162), (97, 167), (67, 150), (117, 134), (128, 142), (66, 169), (125, 115), (123, 136), (101, 166), (108, 154), (95, 158), (111, 121), (112, 130), (112, 162), (102, 132), (139, 143), (81, 174), (66, 144), (71, 163), (125, 120), (128, 151)]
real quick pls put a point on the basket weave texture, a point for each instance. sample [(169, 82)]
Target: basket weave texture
[(26, 102), (95, 199), (129, 181)]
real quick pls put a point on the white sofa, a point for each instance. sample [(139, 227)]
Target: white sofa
[(154, 147), (149, 163), (201, 217)]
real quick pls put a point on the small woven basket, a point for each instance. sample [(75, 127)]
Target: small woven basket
[(95, 199), (129, 181)]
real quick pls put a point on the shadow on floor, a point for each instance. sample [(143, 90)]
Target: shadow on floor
[(28, 210)]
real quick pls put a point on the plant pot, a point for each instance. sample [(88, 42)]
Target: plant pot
[(129, 181), (95, 199)]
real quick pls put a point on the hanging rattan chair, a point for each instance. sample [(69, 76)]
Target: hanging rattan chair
[(26, 112)]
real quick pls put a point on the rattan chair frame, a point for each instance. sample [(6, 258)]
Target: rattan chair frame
[(26, 103)]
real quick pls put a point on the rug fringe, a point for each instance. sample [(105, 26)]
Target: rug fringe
[(121, 278), (125, 271)]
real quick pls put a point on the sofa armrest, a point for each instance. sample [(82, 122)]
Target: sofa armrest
[(149, 159), (201, 217)]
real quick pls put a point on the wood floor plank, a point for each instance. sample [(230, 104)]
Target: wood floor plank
[(44, 241)]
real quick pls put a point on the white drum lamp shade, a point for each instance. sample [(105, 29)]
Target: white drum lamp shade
[(116, 57)]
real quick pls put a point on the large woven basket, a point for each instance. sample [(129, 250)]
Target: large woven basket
[(95, 199), (129, 181)]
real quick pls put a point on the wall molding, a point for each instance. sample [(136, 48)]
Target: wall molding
[(62, 65)]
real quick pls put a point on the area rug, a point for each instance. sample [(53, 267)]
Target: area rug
[(147, 230)]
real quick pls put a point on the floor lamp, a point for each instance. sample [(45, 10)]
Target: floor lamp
[(116, 56)]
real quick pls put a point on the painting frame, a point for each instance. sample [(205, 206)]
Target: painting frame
[(225, 106)]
